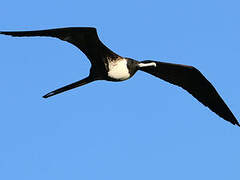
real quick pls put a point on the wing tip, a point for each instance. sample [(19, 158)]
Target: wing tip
[(234, 121), (8, 33), (43, 32), (237, 123), (2, 32)]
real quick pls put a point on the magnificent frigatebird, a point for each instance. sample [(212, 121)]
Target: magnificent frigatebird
[(107, 65)]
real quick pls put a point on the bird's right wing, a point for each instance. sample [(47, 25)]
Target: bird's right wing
[(192, 80), (85, 38)]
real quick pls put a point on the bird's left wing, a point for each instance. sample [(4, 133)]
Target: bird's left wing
[(192, 80), (85, 38)]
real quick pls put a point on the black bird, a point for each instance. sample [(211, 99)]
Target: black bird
[(107, 65)]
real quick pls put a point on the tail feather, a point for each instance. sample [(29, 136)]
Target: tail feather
[(70, 86)]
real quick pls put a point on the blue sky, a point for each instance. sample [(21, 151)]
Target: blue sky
[(143, 128)]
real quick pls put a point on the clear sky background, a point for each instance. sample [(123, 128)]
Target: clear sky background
[(143, 128)]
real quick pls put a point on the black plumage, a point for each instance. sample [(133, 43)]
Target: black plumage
[(107, 65)]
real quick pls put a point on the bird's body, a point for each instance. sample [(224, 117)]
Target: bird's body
[(118, 70), (107, 65)]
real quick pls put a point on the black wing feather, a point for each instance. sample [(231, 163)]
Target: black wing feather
[(85, 38), (192, 80)]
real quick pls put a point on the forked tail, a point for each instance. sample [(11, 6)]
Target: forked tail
[(70, 86)]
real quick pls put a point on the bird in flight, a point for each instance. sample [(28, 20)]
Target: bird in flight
[(107, 65)]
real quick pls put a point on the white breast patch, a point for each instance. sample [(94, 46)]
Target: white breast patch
[(118, 70)]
